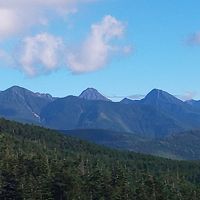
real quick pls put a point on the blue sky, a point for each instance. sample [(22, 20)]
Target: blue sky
[(121, 48)]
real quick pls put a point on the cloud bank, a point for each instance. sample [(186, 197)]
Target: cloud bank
[(40, 54), (94, 52), (187, 95), (131, 97), (18, 15), (44, 52)]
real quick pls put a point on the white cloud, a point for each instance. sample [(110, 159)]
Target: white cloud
[(131, 97), (9, 22), (40, 54), (94, 52), (17, 15), (44, 52), (187, 95)]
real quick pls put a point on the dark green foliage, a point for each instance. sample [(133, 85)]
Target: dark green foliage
[(37, 163)]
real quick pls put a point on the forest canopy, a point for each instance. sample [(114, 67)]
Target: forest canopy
[(38, 163)]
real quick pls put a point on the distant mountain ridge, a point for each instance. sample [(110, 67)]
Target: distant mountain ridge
[(159, 96), (184, 145), (128, 101), (158, 115), (23, 105)]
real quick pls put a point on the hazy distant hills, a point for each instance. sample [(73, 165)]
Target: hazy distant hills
[(184, 145), (194, 104), (158, 115)]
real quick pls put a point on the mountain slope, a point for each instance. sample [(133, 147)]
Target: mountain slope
[(157, 97), (158, 115), (72, 112), (195, 104), (184, 146), (38, 163), (22, 105), (183, 114), (120, 140)]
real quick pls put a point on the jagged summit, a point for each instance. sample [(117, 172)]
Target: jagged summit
[(92, 94), (157, 95), (17, 90)]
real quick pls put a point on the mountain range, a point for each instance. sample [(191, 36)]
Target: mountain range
[(159, 124), (158, 115)]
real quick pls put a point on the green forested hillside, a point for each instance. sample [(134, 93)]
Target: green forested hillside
[(37, 163)]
